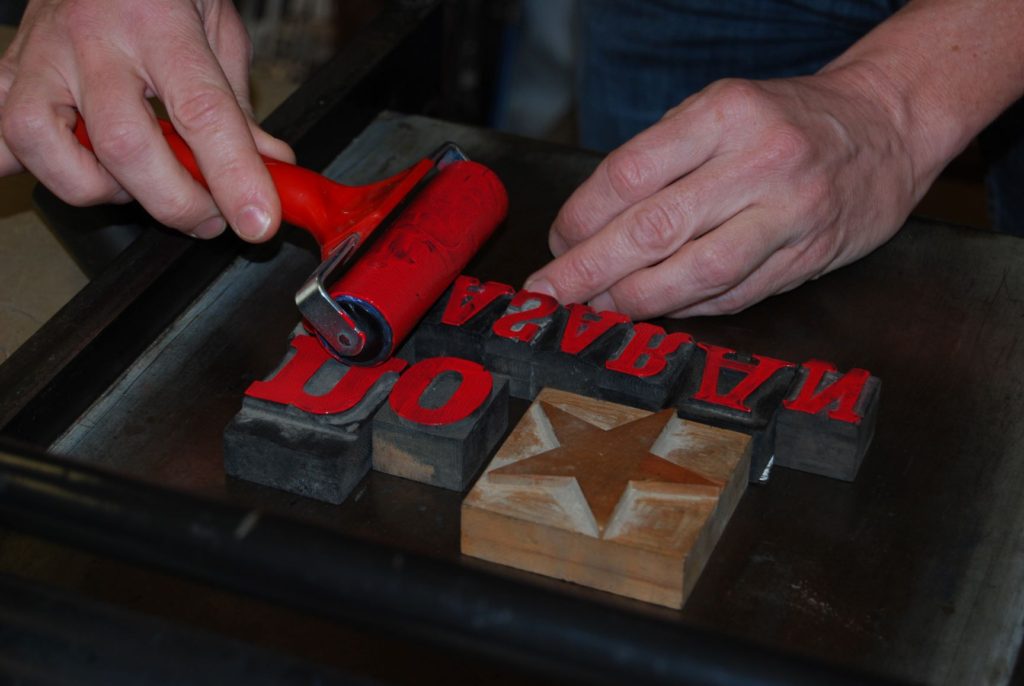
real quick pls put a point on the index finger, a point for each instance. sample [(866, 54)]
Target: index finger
[(202, 106), (647, 233), (650, 161)]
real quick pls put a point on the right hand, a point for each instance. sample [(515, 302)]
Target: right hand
[(104, 58)]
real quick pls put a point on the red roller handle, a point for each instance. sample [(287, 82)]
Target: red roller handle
[(329, 210)]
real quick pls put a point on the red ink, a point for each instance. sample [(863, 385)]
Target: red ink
[(517, 323), (841, 395), (405, 272), (470, 297), (755, 376), (287, 387), (585, 326), (646, 349), (473, 390)]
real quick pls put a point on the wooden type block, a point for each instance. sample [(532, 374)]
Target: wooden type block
[(306, 429), (646, 369), (826, 424), (461, 321), (444, 417), (737, 391), (608, 496), (573, 358), (527, 325)]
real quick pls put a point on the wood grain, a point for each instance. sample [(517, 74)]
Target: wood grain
[(608, 496)]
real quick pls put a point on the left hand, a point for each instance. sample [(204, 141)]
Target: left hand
[(744, 190)]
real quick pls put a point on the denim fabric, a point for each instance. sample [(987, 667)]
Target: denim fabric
[(1002, 145), (641, 57)]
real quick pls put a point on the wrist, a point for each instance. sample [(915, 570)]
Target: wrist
[(922, 127), (940, 70)]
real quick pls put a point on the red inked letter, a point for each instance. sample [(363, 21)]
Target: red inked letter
[(756, 375), (842, 394), (516, 322), (288, 387), (645, 351), (469, 297), (585, 326), (474, 387)]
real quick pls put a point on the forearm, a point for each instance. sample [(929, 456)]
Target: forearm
[(943, 69)]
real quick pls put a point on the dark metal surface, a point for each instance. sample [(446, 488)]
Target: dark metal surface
[(331, 575), (911, 571), (49, 637)]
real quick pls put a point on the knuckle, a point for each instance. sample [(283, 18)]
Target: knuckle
[(712, 269), (631, 173), (200, 110), (120, 143), (572, 219), (81, 195), (177, 212), (736, 97), (639, 298), (82, 192), (23, 124), (654, 228), (583, 273), (785, 145)]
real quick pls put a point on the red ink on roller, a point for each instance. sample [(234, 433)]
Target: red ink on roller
[(389, 289)]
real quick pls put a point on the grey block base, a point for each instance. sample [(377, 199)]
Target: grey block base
[(316, 456), (817, 444), (446, 456)]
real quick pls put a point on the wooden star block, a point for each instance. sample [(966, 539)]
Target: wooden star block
[(608, 496)]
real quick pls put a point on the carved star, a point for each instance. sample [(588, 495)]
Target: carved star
[(604, 462)]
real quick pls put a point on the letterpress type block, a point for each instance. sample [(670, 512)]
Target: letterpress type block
[(573, 358), (443, 418), (645, 370), (306, 429), (737, 391), (528, 324), (826, 424), (460, 322)]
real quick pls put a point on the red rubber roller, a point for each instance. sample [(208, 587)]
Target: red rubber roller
[(389, 289)]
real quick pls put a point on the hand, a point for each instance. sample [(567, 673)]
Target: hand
[(744, 190), (104, 58)]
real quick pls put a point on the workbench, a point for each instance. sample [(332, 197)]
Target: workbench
[(911, 572)]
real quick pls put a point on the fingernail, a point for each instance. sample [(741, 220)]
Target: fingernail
[(542, 286), (253, 223), (602, 302), (210, 228)]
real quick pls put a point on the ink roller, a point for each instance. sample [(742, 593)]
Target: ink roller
[(362, 313)]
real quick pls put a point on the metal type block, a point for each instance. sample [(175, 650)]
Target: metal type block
[(737, 391), (573, 358), (529, 324), (461, 320), (444, 417), (645, 371), (826, 424), (306, 429)]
